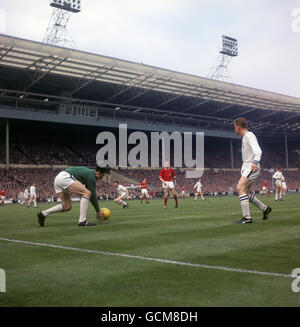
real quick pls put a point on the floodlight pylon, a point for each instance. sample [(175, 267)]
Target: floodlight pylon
[(220, 70), (57, 32)]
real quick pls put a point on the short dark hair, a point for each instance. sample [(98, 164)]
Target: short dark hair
[(241, 122), (116, 182), (103, 170)]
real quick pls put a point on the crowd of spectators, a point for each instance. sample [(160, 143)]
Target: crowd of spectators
[(215, 178), (217, 155), (15, 180)]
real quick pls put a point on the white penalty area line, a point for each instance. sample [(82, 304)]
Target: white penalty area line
[(137, 257)]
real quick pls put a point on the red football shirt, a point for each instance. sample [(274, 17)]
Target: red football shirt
[(2, 193), (182, 189), (167, 174), (143, 185), (265, 184)]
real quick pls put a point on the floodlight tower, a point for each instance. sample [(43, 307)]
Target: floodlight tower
[(57, 33), (229, 49)]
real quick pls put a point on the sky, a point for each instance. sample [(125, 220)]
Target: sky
[(181, 35)]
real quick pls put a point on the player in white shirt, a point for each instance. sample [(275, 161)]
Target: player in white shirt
[(230, 191), (123, 192), (21, 198), (26, 196), (32, 195), (278, 182), (198, 187), (284, 187), (251, 155)]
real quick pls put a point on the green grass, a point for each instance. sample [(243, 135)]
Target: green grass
[(197, 232)]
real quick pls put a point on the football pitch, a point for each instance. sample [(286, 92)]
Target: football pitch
[(149, 256)]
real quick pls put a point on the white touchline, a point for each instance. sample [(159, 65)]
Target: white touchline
[(180, 263)]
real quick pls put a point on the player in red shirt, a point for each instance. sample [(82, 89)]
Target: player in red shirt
[(265, 189), (168, 179), (144, 191), (2, 197), (183, 192)]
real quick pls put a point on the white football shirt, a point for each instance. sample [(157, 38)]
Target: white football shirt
[(250, 148), (32, 190), (121, 189), (278, 176), (198, 185)]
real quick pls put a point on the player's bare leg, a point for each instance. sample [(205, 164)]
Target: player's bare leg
[(278, 192), (80, 189), (65, 205), (34, 202), (202, 197), (242, 189), (175, 197), (142, 197), (120, 201), (166, 195)]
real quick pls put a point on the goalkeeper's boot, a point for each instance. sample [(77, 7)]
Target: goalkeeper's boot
[(86, 223), (41, 218)]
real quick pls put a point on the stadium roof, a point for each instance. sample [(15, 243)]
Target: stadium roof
[(59, 75)]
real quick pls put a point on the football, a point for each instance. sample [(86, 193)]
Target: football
[(105, 212)]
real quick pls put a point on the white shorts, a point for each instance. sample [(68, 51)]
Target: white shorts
[(168, 185), (122, 195), (199, 190), (283, 184), (278, 183), (247, 172), (32, 196), (264, 188), (2, 197), (144, 191), (62, 181)]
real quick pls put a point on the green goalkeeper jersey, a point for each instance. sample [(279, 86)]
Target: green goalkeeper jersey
[(86, 176)]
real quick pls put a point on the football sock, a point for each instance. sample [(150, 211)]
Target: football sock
[(123, 203), (176, 200), (276, 195), (84, 203), (280, 195), (245, 205), (57, 208), (257, 203), (165, 201)]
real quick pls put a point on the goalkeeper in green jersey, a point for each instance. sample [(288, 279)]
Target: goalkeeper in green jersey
[(80, 181)]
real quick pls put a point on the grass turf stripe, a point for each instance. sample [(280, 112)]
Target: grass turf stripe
[(137, 257)]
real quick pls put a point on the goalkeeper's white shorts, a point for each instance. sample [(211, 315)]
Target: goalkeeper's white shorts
[(62, 181)]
